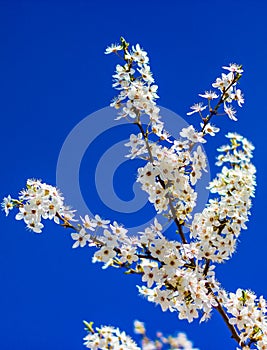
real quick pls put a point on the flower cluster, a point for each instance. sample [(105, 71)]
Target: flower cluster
[(218, 226), (172, 278), (138, 92), (107, 337), (39, 201), (227, 94), (170, 176), (248, 313)]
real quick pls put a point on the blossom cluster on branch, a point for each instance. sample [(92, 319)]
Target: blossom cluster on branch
[(107, 337), (179, 275)]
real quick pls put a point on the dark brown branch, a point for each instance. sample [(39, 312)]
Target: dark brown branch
[(232, 329), (206, 268)]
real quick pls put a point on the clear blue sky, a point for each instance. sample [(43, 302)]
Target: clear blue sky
[(53, 73)]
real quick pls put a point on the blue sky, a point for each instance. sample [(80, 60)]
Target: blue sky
[(53, 74)]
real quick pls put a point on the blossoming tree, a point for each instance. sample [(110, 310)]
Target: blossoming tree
[(178, 275)]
